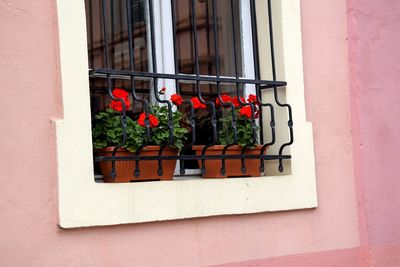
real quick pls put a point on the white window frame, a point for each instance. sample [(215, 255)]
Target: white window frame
[(83, 203)]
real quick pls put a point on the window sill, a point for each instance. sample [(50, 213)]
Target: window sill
[(86, 203), (83, 202)]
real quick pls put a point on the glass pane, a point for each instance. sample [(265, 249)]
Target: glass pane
[(117, 28), (205, 36), (118, 41), (229, 33)]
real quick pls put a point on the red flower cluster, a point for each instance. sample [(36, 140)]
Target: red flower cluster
[(236, 102), (244, 111), (120, 94), (176, 99), (252, 99), (225, 99), (197, 104), (153, 120)]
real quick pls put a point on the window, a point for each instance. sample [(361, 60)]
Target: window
[(212, 57), (82, 202)]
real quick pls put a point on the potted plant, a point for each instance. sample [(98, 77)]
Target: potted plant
[(107, 133), (233, 167)]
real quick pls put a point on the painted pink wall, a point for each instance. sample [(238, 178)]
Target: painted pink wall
[(28, 196), (375, 98)]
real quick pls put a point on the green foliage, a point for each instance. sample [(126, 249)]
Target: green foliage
[(243, 129), (160, 134), (107, 130)]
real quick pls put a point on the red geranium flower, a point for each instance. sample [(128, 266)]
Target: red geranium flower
[(225, 99), (252, 99), (236, 103), (176, 99), (121, 94), (196, 103), (152, 119), (117, 105), (141, 119), (245, 112)]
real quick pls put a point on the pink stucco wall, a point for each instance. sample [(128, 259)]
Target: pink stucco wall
[(30, 86), (375, 104)]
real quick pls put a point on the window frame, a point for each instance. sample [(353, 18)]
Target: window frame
[(82, 202)]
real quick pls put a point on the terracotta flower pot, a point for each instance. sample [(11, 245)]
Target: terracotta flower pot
[(148, 168), (232, 166)]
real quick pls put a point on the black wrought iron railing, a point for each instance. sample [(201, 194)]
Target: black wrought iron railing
[(109, 74)]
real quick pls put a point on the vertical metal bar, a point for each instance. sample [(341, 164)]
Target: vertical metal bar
[(121, 33), (218, 74), (141, 51), (194, 30), (154, 64), (131, 50), (174, 37), (218, 67), (290, 121), (107, 63), (209, 67), (235, 52), (112, 33), (192, 118), (197, 72), (167, 102), (216, 41), (105, 33), (131, 44), (175, 16), (234, 42), (271, 40), (192, 44), (130, 23), (258, 90), (253, 17)]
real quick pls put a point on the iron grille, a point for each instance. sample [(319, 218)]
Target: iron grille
[(109, 73)]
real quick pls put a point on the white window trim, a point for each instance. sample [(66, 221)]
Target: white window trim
[(82, 202)]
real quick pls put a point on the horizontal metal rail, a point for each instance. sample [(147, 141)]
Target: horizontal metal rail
[(126, 74), (191, 157)]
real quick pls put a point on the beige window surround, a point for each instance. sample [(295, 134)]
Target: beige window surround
[(83, 203)]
